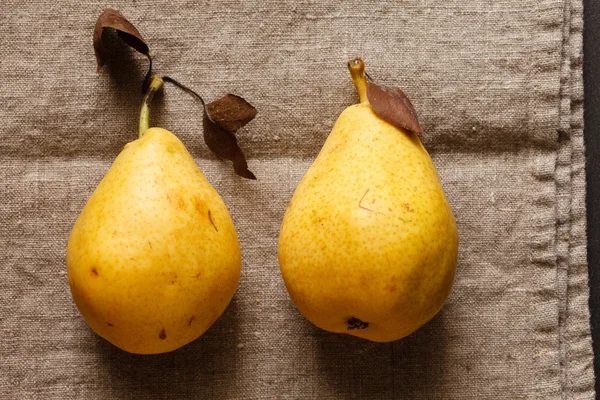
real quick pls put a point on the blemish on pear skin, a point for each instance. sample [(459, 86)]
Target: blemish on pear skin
[(94, 271), (211, 221), (391, 288), (149, 244), (355, 323), (176, 200), (109, 324), (198, 205), (171, 150), (365, 208), (162, 335), (191, 319), (198, 275)]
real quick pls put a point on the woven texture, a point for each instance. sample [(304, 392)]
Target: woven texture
[(498, 88)]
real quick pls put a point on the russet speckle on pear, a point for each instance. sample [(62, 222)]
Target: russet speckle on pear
[(153, 259), (368, 245)]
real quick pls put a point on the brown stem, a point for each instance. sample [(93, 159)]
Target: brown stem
[(189, 91), (357, 72), (156, 83)]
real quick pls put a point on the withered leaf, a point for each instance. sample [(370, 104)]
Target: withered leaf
[(231, 112), (111, 18), (222, 118), (391, 104)]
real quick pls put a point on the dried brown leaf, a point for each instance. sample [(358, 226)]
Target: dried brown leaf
[(231, 112), (223, 117), (391, 104), (111, 18)]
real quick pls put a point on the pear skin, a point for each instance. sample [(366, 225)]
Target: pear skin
[(153, 259), (368, 245)]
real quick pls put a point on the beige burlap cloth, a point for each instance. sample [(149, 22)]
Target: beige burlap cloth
[(498, 88)]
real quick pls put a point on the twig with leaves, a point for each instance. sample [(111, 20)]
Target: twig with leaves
[(222, 117)]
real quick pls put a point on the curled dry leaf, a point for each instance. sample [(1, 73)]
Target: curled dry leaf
[(391, 104), (222, 118), (111, 18)]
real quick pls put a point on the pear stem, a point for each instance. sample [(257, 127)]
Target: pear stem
[(156, 83), (359, 78)]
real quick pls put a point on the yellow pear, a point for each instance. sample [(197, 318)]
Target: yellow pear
[(368, 245), (153, 260)]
